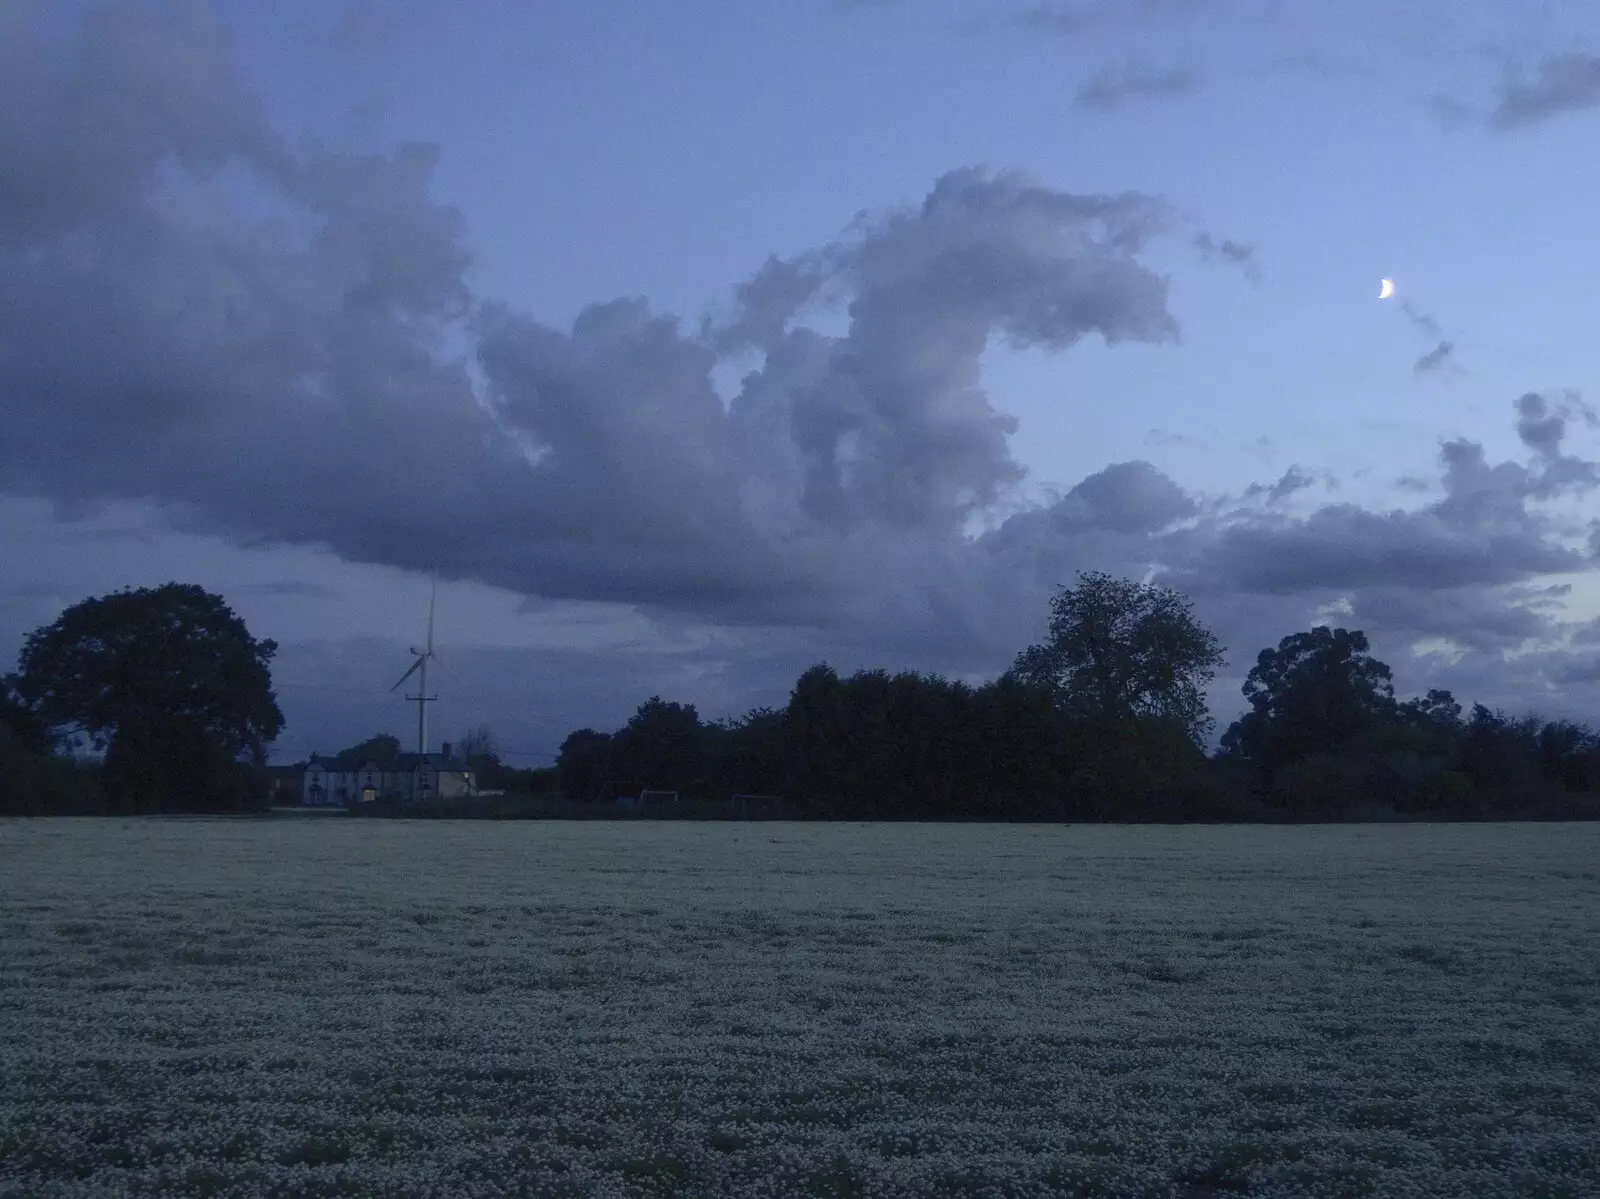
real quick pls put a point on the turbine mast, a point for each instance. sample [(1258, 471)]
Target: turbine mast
[(420, 667)]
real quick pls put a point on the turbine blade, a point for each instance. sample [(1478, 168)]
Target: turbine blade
[(451, 669), (432, 595), (414, 667)]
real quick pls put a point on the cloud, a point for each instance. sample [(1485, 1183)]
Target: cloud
[(1420, 319), (1433, 359), (251, 334), (1237, 253), (889, 423), (1114, 84), (1128, 498), (1562, 83), (1294, 479), (1479, 534), (1436, 358), (262, 340), (1542, 426)]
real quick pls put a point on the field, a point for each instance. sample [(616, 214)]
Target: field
[(312, 1007)]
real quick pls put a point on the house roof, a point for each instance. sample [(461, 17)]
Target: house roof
[(402, 762), (411, 761)]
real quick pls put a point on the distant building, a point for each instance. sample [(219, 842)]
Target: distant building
[(411, 777)]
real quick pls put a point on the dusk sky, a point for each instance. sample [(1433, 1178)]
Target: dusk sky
[(696, 343)]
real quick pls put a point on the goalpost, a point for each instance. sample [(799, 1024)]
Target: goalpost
[(646, 798)]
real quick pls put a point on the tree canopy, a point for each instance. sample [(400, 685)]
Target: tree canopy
[(382, 748), (1317, 693), (1119, 650), (167, 680), (663, 746)]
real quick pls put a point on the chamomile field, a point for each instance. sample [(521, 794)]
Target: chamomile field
[(331, 1007)]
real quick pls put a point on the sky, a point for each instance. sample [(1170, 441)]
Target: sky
[(690, 345)]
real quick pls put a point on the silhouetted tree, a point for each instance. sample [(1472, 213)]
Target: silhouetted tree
[(27, 731), (584, 763), (39, 784), (1501, 757), (1437, 712), (1317, 693), (1567, 755), (1019, 750), (169, 682), (477, 746), (1120, 649), (383, 748), (819, 765), (747, 755), (663, 745)]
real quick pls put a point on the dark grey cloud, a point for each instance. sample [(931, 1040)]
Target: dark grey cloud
[(1440, 356), (1469, 617), (1422, 320), (1434, 358), (1127, 498), (1561, 83), (1227, 250), (1294, 479), (149, 84), (1480, 533), (1542, 426), (1114, 84), (152, 333), (1580, 672)]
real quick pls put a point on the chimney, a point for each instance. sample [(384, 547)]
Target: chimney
[(447, 751)]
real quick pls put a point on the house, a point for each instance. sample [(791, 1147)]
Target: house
[(408, 778)]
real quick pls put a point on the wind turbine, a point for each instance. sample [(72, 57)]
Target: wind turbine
[(422, 699)]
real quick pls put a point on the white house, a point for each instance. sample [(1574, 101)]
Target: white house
[(411, 777)]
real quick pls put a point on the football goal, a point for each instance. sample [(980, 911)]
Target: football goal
[(646, 798)]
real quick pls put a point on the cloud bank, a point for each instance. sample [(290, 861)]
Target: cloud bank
[(1561, 83), (255, 335)]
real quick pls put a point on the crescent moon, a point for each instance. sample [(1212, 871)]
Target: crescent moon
[(1386, 289)]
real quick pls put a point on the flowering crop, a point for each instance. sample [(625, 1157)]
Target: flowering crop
[(279, 1007)]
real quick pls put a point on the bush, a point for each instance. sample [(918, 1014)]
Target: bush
[(39, 785), (1323, 786)]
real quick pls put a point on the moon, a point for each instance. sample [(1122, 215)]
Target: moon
[(1385, 289)]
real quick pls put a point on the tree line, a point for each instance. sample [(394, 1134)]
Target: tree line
[(1105, 720)]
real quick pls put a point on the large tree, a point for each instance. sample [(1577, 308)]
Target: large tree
[(1318, 693), (382, 748), (168, 681), (26, 730), (1120, 650), (663, 746), (585, 764)]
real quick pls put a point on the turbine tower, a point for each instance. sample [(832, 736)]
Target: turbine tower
[(422, 699)]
